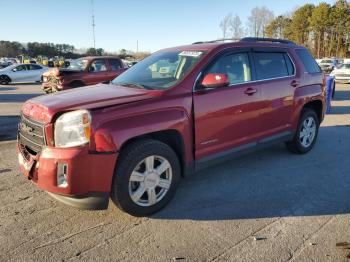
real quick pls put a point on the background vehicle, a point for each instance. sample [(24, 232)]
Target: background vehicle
[(82, 72), (22, 73), (327, 65), (342, 73), (133, 139), (5, 64)]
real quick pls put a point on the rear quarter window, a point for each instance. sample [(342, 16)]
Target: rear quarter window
[(308, 61), (272, 65)]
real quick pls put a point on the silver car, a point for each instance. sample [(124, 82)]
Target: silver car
[(22, 73), (342, 73)]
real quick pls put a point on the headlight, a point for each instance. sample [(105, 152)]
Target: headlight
[(73, 129)]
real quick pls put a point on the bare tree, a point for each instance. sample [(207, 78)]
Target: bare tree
[(236, 27), (225, 25), (259, 18)]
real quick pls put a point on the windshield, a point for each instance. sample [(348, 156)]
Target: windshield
[(326, 61), (161, 70), (344, 66), (78, 64)]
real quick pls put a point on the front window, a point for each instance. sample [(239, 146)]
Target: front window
[(78, 64), (161, 70)]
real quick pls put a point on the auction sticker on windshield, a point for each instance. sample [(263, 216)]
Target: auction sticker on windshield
[(191, 53)]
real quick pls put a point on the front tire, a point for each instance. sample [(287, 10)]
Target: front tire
[(146, 177), (4, 80), (306, 135)]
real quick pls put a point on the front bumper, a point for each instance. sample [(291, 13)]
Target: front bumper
[(89, 175)]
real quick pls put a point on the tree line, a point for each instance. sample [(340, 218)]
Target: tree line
[(35, 49), (323, 28)]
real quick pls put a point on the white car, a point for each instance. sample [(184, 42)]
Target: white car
[(342, 73), (22, 73)]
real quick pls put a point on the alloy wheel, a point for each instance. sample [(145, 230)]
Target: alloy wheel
[(150, 181)]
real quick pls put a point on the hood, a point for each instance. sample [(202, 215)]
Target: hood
[(89, 97)]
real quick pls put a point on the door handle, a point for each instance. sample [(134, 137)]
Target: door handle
[(295, 83), (250, 91)]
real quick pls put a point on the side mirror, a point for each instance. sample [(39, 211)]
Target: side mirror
[(91, 69), (215, 80), (14, 70)]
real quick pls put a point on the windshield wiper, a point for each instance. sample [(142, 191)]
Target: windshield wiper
[(134, 85)]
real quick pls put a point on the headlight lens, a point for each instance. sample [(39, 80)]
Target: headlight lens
[(73, 129)]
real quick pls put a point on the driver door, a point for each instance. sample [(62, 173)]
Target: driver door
[(227, 117)]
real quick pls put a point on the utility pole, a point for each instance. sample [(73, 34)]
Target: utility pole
[(137, 46), (93, 23)]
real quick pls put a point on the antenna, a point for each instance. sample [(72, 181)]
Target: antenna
[(93, 22)]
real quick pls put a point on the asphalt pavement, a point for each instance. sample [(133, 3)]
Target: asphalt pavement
[(270, 205)]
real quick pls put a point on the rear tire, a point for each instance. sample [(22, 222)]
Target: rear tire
[(4, 80), (141, 184), (306, 135)]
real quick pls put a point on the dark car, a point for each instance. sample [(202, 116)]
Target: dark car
[(82, 72), (133, 139)]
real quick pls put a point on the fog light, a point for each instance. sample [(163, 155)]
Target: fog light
[(62, 174)]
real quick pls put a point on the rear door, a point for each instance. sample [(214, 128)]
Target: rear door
[(275, 76), (34, 72), (227, 117)]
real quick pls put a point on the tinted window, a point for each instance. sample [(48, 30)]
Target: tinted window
[(114, 64), (98, 65), (270, 65), (308, 61), (21, 68), (235, 66), (34, 67)]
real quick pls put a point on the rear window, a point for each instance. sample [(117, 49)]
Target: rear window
[(308, 61), (272, 65)]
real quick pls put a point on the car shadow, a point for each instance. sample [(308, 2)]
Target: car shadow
[(8, 127), (11, 98), (339, 110), (270, 183), (341, 95), (5, 88)]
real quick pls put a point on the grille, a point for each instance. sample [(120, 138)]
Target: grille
[(31, 135)]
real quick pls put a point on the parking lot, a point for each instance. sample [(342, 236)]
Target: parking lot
[(267, 206)]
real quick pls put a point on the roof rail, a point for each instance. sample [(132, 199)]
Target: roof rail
[(248, 39), (218, 40), (263, 39)]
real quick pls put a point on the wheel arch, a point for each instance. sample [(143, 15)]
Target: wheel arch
[(317, 106), (170, 137)]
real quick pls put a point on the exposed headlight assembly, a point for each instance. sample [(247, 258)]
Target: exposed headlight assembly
[(73, 129)]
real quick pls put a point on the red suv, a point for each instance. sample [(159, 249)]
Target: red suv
[(175, 112), (83, 72)]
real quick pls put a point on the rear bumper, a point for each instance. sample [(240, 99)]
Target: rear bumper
[(89, 175)]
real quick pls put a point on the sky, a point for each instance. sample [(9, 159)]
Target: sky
[(154, 24)]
